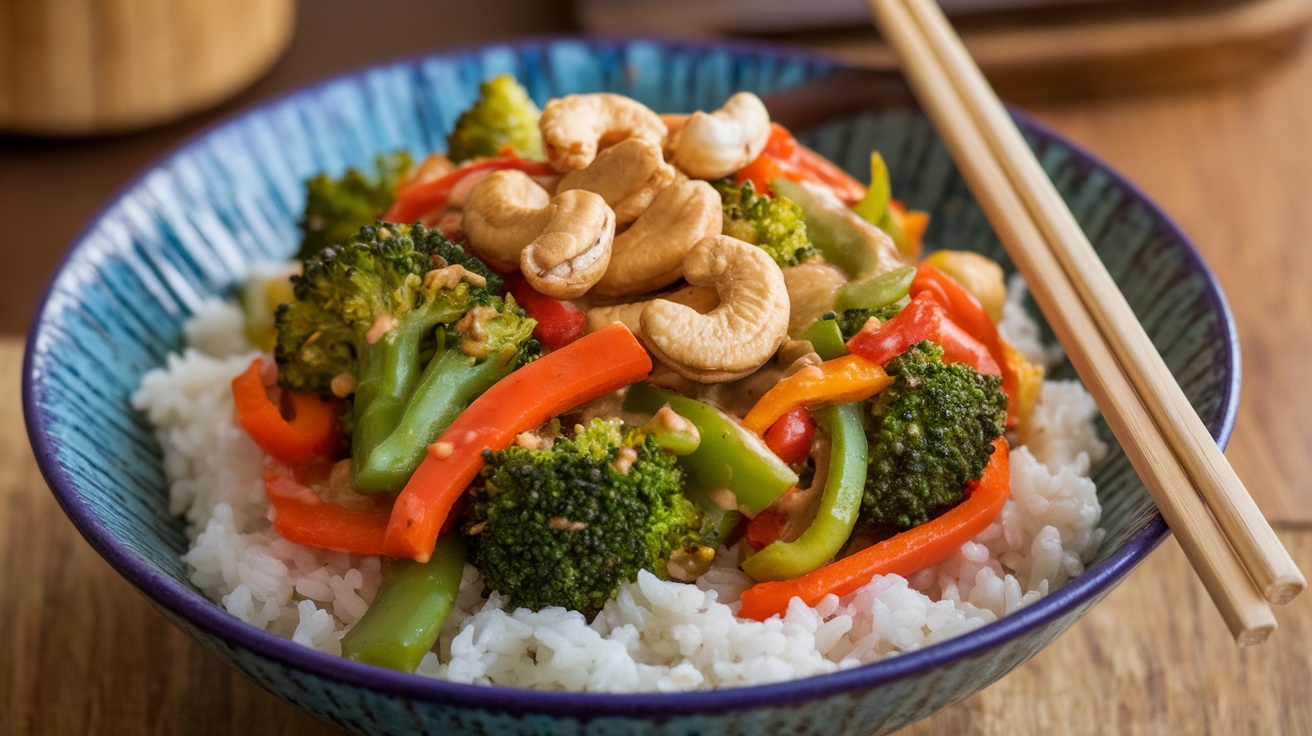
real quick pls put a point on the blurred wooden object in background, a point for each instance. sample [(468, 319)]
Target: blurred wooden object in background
[(87, 67), (1030, 49)]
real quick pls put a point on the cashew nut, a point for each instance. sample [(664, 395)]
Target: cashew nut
[(575, 127), (504, 212), (736, 337), (650, 253), (573, 249), (628, 175), (712, 145), (701, 298)]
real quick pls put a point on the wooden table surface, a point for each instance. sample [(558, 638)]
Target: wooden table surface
[(81, 652)]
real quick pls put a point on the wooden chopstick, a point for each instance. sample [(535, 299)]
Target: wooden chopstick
[(1265, 558), (1237, 596)]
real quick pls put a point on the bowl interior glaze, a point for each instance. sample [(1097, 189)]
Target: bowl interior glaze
[(183, 230)]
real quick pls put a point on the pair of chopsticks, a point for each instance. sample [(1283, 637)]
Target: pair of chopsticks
[(1241, 562)]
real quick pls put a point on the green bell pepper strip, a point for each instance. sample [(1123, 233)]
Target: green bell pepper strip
[(414, 600), (826, 339), (729, 455), (840, 503), (877, 291)]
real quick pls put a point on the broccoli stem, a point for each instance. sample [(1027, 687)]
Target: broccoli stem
[(387, 376), (414, 600), (449, 383)]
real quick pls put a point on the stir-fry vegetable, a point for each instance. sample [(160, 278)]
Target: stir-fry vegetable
[(302, 515), (840, 503), (559, 322), (923, 319), (412, 327), (406, 616), (838, 380), (567, 523), (791, 435), (336, 209), (592, 366), (902, 554), (729, 456), (312, 427)]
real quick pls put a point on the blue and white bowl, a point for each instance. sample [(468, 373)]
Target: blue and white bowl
[(183, 229)]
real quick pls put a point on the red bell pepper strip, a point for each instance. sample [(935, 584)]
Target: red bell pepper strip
[(903, 554), (424, 198), (312, 427), (919, 320), (784, 157), (924, 318), (592, 366), (791, 435), (300, 515), (559, 323), (766, 527), (966, 312)]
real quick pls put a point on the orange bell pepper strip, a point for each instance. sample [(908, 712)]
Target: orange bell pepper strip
[(592, 366), (311, 428), (903, 554), (835, 381), (427, 197), (301, 515)]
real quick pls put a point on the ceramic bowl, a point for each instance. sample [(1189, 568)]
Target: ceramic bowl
[(182, 230)]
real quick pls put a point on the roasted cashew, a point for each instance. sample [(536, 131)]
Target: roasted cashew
[(736, 337), (573, 249), (628, 175), (713, 145), (650, 253), (504, 212), (575, 127), (701, 298)]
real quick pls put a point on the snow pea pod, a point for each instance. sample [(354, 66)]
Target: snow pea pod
[(840, 503), (414, 600), (876, 291), (729, 455), (826, 338)]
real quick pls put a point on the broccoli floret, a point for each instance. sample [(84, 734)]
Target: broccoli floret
[(850, 321), (410, 326), (775, 224), (566, 525), (504, 115), (336, 209), (931, 432)]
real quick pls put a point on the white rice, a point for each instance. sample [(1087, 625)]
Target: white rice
[(656, 635)]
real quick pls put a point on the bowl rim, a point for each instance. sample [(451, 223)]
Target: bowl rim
[(188, 604)]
